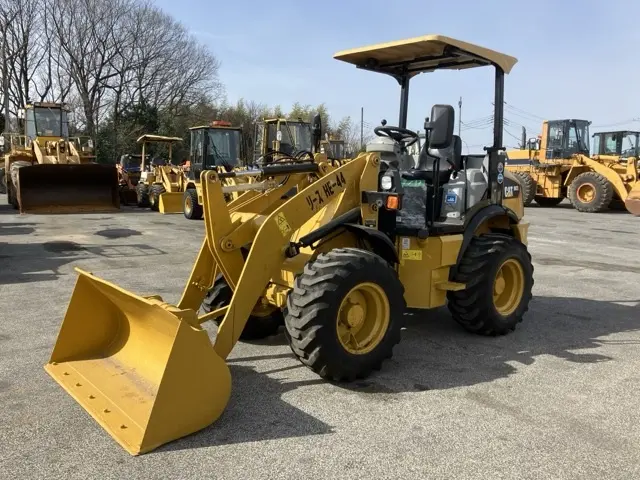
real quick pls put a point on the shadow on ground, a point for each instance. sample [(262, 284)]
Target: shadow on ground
[(255, 412), (434, 354), (33, 262), (16, 228), (565, 205)]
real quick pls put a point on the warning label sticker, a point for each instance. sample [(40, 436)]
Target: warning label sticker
[(282, 223), (406, 243), (412, 255)]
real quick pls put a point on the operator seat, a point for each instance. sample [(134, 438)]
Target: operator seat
[(427, 158)]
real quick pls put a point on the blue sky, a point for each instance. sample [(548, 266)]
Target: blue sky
[(575, 59)]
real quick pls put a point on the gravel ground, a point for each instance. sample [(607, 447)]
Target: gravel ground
[(555, 399)]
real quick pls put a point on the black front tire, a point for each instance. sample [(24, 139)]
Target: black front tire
[(154, 196), (528, 187), (142, 193), (256, 328), (312, 313), (190, 206), (474, 308), (14, 170), (602, 188)]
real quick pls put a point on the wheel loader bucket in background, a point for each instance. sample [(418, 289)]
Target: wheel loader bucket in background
[(632, 202), (147, 374), (170, 202), (68, 188)]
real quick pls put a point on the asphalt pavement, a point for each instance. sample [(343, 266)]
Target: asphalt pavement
[(558, 398)]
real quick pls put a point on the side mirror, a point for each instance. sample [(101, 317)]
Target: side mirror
[(441, 126)]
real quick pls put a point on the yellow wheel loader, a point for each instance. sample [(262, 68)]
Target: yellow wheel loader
[(46, 171), (558, 165), (337, 262), (129, 170), (334, 149), (620, 151), (217, 146), (277, 138), (161, 182)]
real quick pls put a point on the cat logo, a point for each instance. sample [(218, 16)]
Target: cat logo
[(511, 191)]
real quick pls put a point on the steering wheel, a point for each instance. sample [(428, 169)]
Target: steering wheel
[(401, 135)]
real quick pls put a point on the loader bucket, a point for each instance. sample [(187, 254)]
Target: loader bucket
[(170, 202), (137, 367), (68, 188), (632, 202)]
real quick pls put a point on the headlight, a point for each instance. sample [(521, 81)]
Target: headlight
[(386, 182)]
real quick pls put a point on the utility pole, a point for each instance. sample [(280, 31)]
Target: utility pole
[(361, 127), (459, 116)]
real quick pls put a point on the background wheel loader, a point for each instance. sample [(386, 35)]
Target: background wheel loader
[(129, 170), (620, 152), (46, 172), (277, 138), (159, 176), (335, 149), (558, 165), (217, 146), (337, 263)]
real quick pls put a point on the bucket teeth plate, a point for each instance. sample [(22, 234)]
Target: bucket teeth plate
[(142, 371)]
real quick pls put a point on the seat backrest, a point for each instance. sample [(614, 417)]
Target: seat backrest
[(426, 158)]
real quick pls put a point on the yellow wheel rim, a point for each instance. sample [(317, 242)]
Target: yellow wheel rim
[(363, 318), (508, 287), (586, 192), (187, 204)]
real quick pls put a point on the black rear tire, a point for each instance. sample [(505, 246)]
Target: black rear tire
[(528, 187), (190, 206), (548, 202), (142, 193), (599, 187), (313, 319), (154, 196), (475, 307), (256, 328)]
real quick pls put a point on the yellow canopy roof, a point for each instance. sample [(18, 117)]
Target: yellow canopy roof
[(424, 54), (158, 138)]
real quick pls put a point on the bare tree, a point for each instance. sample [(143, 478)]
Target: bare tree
[(89, 35), (8, 14), (349, 131)]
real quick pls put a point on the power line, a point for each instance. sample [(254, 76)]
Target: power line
[(513, 107), (512, 135)]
